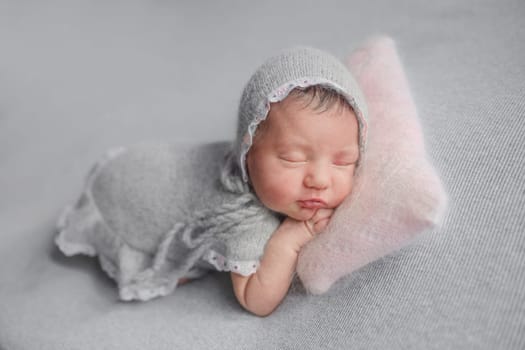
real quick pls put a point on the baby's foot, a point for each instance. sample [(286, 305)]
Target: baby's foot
[(182, 281)]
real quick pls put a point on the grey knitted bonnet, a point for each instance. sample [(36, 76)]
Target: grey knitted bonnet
[(298, 67)]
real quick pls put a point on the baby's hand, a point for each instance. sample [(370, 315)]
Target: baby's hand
[(296, 233), (319, 221)]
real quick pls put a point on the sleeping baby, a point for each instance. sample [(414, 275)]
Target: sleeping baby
[(158, 215)]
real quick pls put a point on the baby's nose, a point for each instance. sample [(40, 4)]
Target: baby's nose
[(318, 177)]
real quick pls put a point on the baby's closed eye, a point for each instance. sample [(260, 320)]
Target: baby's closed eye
[(344, 162), (293, 157), (345, 158)]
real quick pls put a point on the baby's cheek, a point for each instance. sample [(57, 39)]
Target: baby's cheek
[(282, 189), (345, 188)]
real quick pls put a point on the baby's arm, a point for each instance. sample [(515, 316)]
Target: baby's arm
[(261, 292)]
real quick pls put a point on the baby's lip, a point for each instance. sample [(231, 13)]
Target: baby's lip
[(313, 203)]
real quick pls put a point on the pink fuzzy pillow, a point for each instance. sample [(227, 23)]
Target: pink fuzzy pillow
[(397, 193)]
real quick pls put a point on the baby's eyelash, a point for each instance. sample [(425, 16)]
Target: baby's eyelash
[(293, 160), (344, 164)]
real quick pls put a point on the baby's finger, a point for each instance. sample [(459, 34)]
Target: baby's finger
[(322, 214), (310, 226), (320, 225)]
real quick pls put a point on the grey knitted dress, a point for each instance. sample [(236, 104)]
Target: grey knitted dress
[(154, 213)]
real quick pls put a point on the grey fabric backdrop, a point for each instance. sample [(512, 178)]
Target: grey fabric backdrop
[(79, 77)]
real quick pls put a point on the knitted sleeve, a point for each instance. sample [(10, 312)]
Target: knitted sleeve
[(241, 248)]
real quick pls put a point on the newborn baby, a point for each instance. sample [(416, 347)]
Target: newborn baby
[(159, 215), (301, 164)]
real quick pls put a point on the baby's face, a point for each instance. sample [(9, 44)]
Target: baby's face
[(304, 160)]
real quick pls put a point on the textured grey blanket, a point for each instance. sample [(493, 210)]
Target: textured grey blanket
[(79, 78)]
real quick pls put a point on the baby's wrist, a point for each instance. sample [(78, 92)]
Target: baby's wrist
[(293, 234)]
